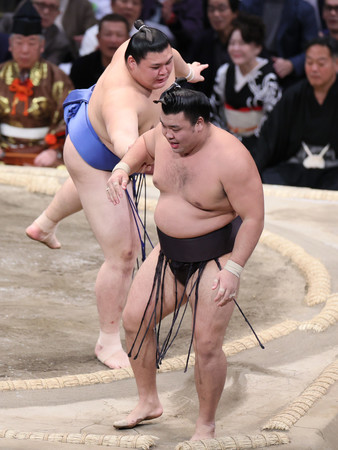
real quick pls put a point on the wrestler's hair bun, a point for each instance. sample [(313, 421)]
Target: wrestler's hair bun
[(138, 24), (141, 27)]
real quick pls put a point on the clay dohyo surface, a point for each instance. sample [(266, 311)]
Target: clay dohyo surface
[(49, 320), (49, 327)]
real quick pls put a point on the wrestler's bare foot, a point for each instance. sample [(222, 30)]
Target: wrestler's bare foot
[(109, 351), (140, 414), (43, 230), (204, 431)]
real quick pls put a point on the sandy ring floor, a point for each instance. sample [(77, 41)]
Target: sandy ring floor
[(318, 292)]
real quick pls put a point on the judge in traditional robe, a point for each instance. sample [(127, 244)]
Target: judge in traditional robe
[(32, 91)]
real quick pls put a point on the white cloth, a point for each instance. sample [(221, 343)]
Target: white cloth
[(89, 42), (23, 133)]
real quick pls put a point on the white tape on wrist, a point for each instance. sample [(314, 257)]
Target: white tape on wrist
[(122, 165), (233, 267), (191, 74)]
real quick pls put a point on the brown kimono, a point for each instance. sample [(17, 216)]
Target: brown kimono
[(31, 111)]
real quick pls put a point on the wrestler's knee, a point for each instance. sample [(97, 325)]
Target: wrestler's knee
[(130, 319), (128, 255), (123, 260), (206, 348), (126, 250)]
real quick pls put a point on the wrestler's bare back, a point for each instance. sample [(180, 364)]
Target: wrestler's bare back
[(193, 199), (125, 100)]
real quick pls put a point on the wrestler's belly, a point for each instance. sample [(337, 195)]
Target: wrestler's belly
[(180, 219)]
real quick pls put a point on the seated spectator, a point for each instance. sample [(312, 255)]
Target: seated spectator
[(180, 20), (57, 48), (32, 93), (298, 143), (130, 9), (5, 54), (330, 17), (290, 24), (113, 31), (75, 17), (247, 88), (211, 45)]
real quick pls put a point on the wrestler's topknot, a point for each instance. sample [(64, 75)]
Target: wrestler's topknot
[(193, 104), (141, 27), (147, 39), (167, 93)]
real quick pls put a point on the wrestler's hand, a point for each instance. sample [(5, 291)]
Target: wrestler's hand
[(227, 285), (116, 184), (47, 158), (197, 68)]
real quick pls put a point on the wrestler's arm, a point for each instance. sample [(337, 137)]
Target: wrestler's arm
[(140, 155), (243, 187), (190, 71), (120, 115)]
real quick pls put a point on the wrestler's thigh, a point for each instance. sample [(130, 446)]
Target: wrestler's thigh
[(140, 290), (113, 225), (211, 319)]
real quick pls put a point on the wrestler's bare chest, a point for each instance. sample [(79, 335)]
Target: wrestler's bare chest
[(192, 200), (193, 179)]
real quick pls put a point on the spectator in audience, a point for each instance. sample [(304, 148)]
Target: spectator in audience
[(130, 9), (57, 48), (75, 17), (211, 46), (330, 17), (180, 20), (32, 92), (247, 88), (290, 24), (113, 31), (298, 143)]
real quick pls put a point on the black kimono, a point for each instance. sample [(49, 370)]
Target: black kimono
[(298, 122)]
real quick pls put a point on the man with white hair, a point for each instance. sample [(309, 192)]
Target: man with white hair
[(57, 47), (32, 91)]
